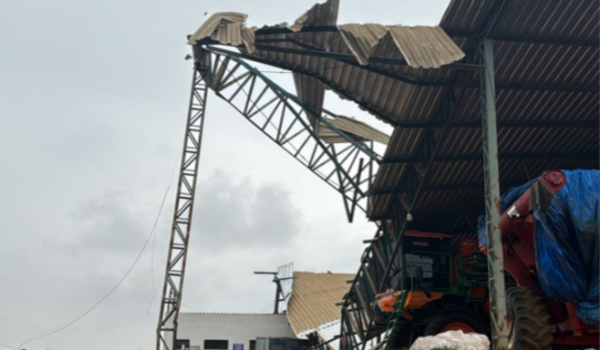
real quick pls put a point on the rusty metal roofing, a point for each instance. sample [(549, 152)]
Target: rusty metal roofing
[(546, 57), (313, 299)]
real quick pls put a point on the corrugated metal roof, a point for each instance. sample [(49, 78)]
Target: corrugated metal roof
[(313, 299), (421, 46), (355, 128), (329, 331), (546, 56), (226, 28), (382, 95)]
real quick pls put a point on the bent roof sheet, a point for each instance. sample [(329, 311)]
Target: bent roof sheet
[(420, 48), (313, 299)]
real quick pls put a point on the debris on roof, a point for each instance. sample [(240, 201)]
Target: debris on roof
[(420, 47)]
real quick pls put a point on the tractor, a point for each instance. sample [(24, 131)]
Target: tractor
[(447, 287)]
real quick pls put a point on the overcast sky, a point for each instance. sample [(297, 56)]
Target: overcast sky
[(93, 98)]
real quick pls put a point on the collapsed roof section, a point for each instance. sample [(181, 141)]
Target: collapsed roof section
[(546, 55), (372, 64)]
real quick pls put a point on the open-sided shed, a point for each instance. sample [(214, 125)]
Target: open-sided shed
[(500, 91)]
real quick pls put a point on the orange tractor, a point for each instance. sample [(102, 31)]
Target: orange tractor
[(447, 289)]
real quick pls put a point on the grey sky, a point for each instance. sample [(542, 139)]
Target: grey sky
[(93, 98)]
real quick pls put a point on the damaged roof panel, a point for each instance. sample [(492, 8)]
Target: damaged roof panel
[(314, 297)]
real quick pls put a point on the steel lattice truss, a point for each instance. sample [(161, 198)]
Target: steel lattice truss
[(182, 217), (347, 167)]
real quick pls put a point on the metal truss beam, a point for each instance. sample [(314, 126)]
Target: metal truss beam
[(343, 58), (347, 167), (364, 105), (458, 34), (182, 217), (508, 124), (515, 156), (528, 39), (350, 59)]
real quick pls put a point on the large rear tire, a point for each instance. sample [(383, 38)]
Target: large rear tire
[(529, 322), (453, 322)]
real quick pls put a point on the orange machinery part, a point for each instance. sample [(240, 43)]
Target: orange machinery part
[(415, 299)]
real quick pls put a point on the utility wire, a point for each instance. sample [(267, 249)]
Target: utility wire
[(191, 308), (111, 291), (153, 233), (7, 346)]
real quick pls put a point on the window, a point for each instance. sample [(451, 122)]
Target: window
[(252, 345), (182, 344), (216, 344)]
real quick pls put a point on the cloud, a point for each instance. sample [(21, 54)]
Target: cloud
[(232, 213), (92, 120), (111, 222)]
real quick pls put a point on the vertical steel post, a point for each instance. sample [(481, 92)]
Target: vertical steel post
[(278, 292), (497, 288)]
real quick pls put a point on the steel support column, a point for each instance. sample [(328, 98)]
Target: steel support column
[(182, 217), (492, 201)]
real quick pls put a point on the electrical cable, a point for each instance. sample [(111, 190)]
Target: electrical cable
[(8, 346), (264, 309), (111, 291), (154, 236), (191, 308)]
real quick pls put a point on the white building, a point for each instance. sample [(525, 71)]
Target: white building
[(219, 331), (310, 309)]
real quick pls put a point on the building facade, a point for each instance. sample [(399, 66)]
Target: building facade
[(217, 331)]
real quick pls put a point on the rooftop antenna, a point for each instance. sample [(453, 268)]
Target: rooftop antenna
[(279, 297)]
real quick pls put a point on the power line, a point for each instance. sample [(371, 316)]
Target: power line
[(153, 232), (7, 346), (111, 291), (191, 308)]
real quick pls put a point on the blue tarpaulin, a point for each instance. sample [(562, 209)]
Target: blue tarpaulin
[(508, 198), (566, 239), (567, 244)]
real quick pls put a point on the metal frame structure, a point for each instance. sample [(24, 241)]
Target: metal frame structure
[(382, 266), (182, 217), (348, 168), (351, 167), (375, 275)]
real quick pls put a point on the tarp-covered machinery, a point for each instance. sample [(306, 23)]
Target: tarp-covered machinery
[(550, 233)]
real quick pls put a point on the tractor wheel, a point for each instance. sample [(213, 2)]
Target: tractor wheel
[(453, 322), (529, 322)]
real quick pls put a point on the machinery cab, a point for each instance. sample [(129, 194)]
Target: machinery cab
[(443, 275)]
